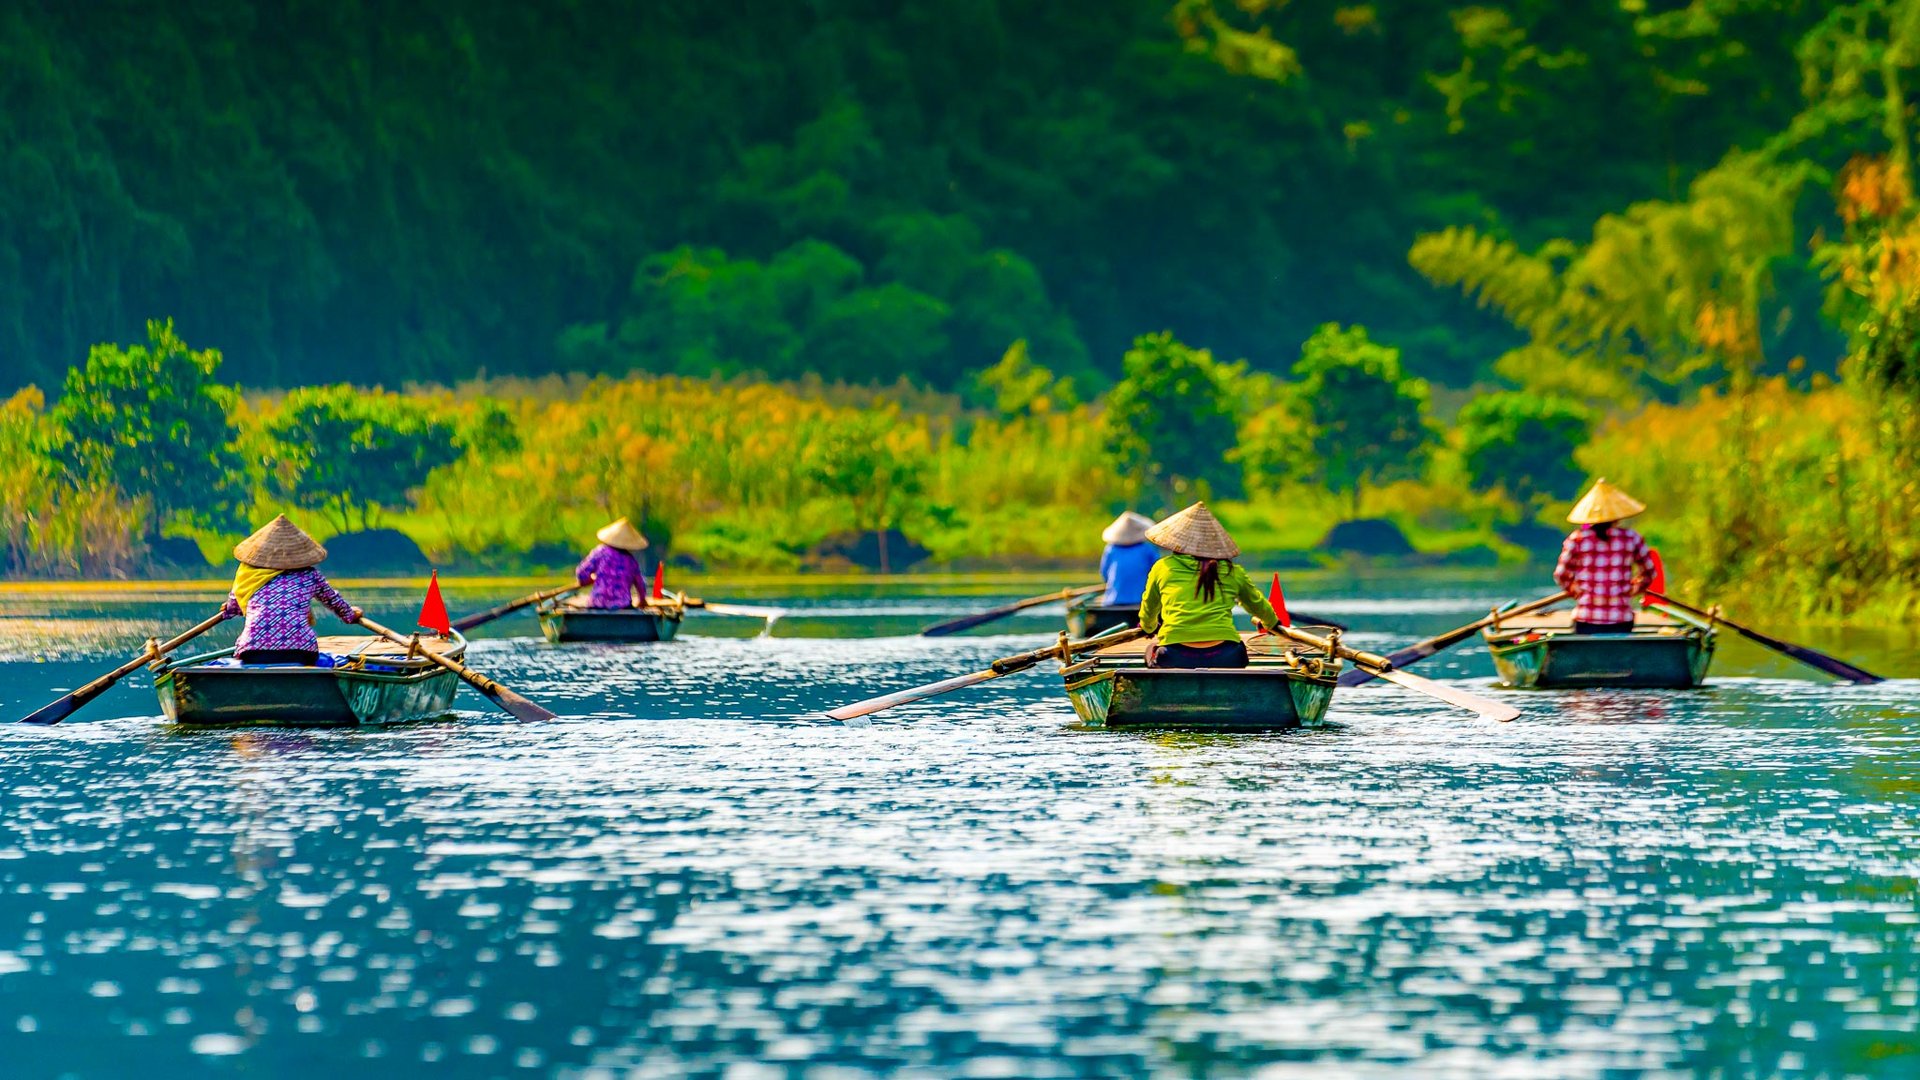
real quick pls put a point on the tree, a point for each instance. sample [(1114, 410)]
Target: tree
[(1665, 294), (1173, 419), (1273, 445), (1524, 444), (1365, 421), (351, 454), (873, 463), (153, 421), (1016, 386)]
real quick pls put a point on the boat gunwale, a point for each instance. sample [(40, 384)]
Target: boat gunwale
[(354, 665), (1503, 644)]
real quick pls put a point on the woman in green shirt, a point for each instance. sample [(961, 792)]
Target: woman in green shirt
[(1188, 604)]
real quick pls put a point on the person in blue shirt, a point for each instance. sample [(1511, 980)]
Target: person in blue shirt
[(1128, 557)]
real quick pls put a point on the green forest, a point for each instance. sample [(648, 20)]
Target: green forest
[(976, 273), (855, 189)]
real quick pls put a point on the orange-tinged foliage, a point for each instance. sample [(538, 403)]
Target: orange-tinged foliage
[(1872, 186), (1774, 497)]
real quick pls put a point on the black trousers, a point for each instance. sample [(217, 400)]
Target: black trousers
[(1227, 654), (307, 657), (1603, 627)]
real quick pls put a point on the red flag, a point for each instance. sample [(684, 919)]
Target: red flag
[(1279, 601), (1658, 584), (659, 580), (433, 613)]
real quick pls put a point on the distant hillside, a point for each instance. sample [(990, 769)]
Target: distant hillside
[(376, 191)]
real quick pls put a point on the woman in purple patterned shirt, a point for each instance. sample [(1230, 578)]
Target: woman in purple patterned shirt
[(275, 589), (613, 569)]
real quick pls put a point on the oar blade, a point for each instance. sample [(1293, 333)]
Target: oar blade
[(744, 611), (1487, 708), (1301, 618), (918, 693), (56, 711), (518, 706), (968, 623), (1832, 665)]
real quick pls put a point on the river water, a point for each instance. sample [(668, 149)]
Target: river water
[(693, 873)]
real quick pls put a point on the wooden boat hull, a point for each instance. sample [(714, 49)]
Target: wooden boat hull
[(1251, 699), (613, 625), (1114, 689), (1660, 654), (375, 683), (1086, 620), (301, 697)]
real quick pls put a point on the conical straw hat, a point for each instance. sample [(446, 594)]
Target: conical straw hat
[(1604, 502), (1196, 532), (280, 546), (1127, 529), (621, 534)]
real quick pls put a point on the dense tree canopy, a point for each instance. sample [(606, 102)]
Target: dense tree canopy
[(373, 190)]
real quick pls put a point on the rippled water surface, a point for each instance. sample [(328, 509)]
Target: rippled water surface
[(692, 873)]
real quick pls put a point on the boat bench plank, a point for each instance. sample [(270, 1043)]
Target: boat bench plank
[(1548, 621)]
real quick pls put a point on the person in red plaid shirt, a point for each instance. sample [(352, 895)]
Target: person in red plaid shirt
[(1604, 564)]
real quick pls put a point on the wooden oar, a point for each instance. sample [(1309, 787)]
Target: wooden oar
[(1420, 650), (733, 609), (520, 707), (64, 707), (1381, 668), (1304, 619), (1811, 657), (1006, 665), (487, 616), (956, 625)]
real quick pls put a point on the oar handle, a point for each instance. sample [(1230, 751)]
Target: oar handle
[(1333, 648)]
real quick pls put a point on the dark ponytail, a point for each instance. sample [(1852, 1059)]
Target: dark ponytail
[(1602, 528), (1209, 578)]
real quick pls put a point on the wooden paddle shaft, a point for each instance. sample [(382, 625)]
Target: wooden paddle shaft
[(152, 654), (509, 608), (1494, 618), (477, 680), (968, 622), (1024, 660), (1327, 645), (1006, 665)]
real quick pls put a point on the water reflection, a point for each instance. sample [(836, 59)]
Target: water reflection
[(691, 873)]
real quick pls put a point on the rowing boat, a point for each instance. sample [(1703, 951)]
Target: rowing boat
[(564, 622), (373, 682), (1664, 651), (1089, 617), (1283, 687)]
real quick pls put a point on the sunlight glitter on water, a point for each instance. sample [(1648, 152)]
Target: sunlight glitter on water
[(692, 872)]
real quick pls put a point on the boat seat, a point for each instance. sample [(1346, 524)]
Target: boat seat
[(1644, 621), (379, 654)]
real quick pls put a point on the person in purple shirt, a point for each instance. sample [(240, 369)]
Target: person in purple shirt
[(613, 568), (1128, 558), (275, 589)]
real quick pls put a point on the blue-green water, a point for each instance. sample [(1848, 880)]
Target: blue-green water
[(693, 874)]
